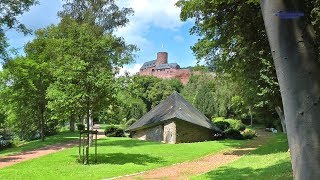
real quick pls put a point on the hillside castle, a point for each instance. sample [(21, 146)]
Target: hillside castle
[(162, 69)]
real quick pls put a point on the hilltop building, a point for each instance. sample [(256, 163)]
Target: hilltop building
[(162, 69)]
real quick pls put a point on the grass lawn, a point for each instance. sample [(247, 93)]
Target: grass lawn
[(30, 145), (271, 161), (116, 156)]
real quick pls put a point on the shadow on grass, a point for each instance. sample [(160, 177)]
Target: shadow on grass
[(125, 142), (124, 158), (62, 137), (280, 144), (281, 170)]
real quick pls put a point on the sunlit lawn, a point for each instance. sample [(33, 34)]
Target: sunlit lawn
[(116, 156), (26, 146), (271, 161)]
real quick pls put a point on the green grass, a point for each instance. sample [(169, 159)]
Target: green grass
[(271, 161), (31, 145), (116, 156)]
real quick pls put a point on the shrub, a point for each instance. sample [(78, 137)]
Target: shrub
[(6, 140), (130, 122), (51, 128), (222, 125), (80, 127), (234, 124), (248, 134), (233, 134), (114, 131)]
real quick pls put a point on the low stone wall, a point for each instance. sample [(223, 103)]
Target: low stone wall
[(188, 132), (150, 134)]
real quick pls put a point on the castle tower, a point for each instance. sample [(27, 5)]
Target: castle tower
[(162, 58)]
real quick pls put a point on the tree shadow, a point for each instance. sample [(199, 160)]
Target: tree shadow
[(125, 142), (281, 170), (123, 158)]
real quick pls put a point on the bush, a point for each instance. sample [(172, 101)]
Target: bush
[(51, 128), (234, 124), (233, 134), (80, 127), (6, 140), (248, 134), (114, 131), (222, 125)]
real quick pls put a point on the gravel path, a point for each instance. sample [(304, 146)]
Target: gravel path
[(24, 156), (202, 165)]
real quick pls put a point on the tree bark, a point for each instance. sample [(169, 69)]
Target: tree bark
[(298, 72), (282, 119), (72, 122)]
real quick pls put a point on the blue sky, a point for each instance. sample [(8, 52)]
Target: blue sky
[(154, 27)]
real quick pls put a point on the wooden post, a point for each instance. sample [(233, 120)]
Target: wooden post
[(80, 145), (96, 147)]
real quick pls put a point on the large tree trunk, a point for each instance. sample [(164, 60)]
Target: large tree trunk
[(298, 72)]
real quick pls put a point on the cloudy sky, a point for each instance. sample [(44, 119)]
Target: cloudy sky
[(155, 26)]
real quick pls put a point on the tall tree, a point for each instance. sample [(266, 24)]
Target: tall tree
[(9, 10), (294, 51), (232, 40), (24, 85)]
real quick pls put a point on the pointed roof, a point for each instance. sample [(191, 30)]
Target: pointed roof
[(174, 106)]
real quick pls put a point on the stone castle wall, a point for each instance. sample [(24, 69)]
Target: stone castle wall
[(182, 74)]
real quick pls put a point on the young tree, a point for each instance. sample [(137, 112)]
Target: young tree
[(294, 51)]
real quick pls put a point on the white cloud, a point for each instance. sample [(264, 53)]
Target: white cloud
[(131, 70), (178, 38), (149, 13)]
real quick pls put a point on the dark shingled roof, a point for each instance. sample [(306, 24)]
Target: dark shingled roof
[(168, 66), (174, 106), (148, 64)]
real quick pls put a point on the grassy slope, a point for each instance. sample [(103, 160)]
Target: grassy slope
[(59, 138), (116, 156), (270, 161)]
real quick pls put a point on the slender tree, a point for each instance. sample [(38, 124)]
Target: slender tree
[(292, 42)]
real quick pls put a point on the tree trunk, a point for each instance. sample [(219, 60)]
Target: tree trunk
[(42, 123), (72, 122), (282, 119), (88, 137), (298, 72)]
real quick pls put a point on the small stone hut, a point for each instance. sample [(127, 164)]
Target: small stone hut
[(174, 120)]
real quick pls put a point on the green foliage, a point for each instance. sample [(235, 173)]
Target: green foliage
[(233, 134), (114, 131), (249, 134), (204, 101), (80, 127), (116, 157), (222, 125), (233, 123), (233, 41), (105, 14), (24, 82), (9, 11)]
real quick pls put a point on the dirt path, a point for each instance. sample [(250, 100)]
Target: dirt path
[(202, 165), (24, 156)]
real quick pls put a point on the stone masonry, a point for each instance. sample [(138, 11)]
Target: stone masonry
[(162, 69), (175, 131)]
